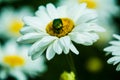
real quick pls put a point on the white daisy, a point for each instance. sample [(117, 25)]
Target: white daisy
[(53, 29), (15, 62), (114, 49), (104, 16), (100, 5), (11, 21)]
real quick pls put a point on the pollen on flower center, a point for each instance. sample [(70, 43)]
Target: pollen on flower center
[(13, 60), (60, 27), (15, 26), (90, 3)]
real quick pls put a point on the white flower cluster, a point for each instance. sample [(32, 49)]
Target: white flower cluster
[(14, 61), (54, 30)]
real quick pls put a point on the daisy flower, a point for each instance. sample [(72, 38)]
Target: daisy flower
[(99, 5), (11, 21), (104, 16), (15, 62), (114, 49), (53, 29)]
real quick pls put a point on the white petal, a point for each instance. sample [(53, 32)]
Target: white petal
[(18, 74), (84, 38), (118, 67), (95, 27), (62, 11), (89, 16), (76, 10), (65, 42), (93, 36), (80, 27), (42, 13), (73, 49), (50, 52), (88, 27), (52, 11), (117, 43), (76, 37), (36, 47), (116, 52), (80, 10), (116, 62), (111, 48), (30, 37), (56, 47), (27, 29), (38, 53), (113, 59), (34, 21), (116, 36)]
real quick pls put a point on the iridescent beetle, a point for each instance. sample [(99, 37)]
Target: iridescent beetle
[(57, 25)]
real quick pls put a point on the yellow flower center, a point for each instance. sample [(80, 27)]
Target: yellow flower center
[(13, 60), (60, 27), (15, 27), (90, 3)]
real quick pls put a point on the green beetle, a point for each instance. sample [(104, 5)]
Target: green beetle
[(57, 25)]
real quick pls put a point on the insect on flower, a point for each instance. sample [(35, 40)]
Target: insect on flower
[(57, 25)]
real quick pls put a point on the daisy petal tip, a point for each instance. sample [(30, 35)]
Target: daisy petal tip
[(114, 34), (105, 49), (77, 53), (66, 52), (59, 53), (50, 4), (108, 61), (48, 58), (117, 69)]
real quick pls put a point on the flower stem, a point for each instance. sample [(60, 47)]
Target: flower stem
[(71, 63)]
